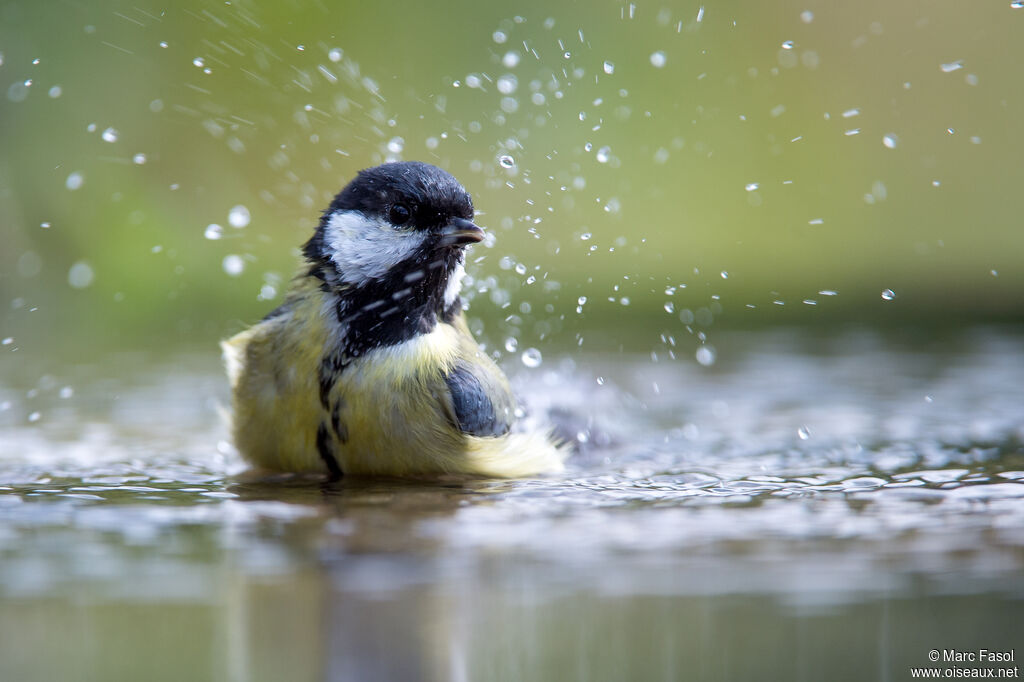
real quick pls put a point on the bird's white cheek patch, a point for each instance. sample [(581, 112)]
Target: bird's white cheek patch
[(365, 248), (454, 286)]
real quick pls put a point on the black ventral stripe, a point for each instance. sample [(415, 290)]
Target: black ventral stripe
[(323, 446), (331, 367)]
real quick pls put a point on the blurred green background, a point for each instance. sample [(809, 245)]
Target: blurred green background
[(682, 166), (651, 174)]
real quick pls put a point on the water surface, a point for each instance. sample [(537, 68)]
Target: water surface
[(808, 506)]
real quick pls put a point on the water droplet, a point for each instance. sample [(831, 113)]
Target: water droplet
[(7, 341), (852, 131), (55, 92), (1017, 4), (506, 161), (520, 269), (507, 84), (510, 60), (531, 357), (603, 154), (828, 292), (751, 186), (879, 190), (163, 44), (888, 294), (705, 356), (670, 307), (238, 216), (74, 181), (17, 92), (724, 274), (890, 141), (233, 265), (139, 159), (511, 344), (807, 16), (609, 68), (80, 275), (658, 59), (199, 62), (850, 113), (585, 236), (499, 37), (109, 135), (35, 416), (581, 300), (803, 433), (213, 231), (950, 67), (700, 14), (788, 45), (396, 145), (66, 392), (267, 292)]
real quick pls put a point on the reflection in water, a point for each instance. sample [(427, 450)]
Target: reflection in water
[(854, 502)]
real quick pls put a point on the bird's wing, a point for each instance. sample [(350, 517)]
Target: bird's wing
[(480, 406), (482, 403)]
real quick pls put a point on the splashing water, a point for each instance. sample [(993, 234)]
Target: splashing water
[(238, 217), (531, 358), (233, 265)]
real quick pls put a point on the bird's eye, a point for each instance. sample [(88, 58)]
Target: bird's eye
[(399, 214)]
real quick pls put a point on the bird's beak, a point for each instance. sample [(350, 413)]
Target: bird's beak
[(460, 232)]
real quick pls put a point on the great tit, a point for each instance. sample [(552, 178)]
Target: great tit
[(368, 366)]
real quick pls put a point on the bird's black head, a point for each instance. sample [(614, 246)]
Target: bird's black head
[(391, 244), (407, 194), (395, 217)]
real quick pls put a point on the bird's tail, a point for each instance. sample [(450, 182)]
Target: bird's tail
[(517, 455)]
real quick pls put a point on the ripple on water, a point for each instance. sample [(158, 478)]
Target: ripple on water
[(711, 466)]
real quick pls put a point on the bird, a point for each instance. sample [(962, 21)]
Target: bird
[(368, 367)]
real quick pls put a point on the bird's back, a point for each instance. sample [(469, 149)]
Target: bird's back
[(272, 369)]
